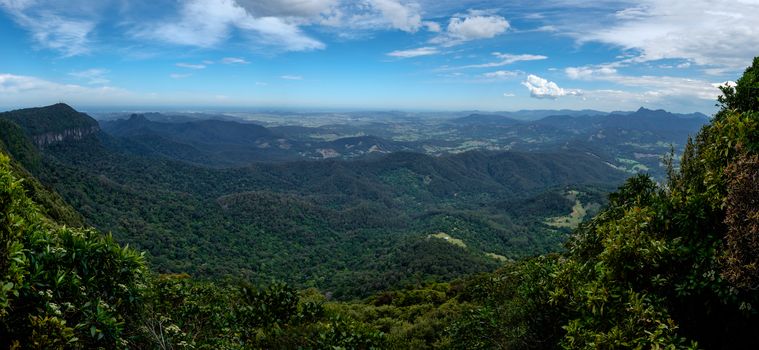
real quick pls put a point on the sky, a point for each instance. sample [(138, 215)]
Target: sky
[(374, 54)]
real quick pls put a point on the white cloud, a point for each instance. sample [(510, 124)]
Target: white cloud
[(691, 30), (275, 31), (727, 83), (404, 17), (94, 76), (377, 15), (208, 23), (501, 74), (234, 60), (505, 59), (67, 35), (477, 27), (179, 75), (432, 26), (24, 90), (422, 51), (508, 94), (292, 77), (542, 88), (661, 86), (202, 23), (472, 26), (589, 72), (288, 8), (190, 65)]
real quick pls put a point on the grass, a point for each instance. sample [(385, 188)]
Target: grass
[(573, 219), (495, 256)]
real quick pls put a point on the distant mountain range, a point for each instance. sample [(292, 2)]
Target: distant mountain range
[(633, 141)]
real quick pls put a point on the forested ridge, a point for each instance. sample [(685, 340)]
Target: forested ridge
[(350, 228), (662, 265)]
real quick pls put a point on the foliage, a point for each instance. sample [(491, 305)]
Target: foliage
[(61, 287), (322, 224), (742, 220), (181, 312), (53, 118), (663, 266)]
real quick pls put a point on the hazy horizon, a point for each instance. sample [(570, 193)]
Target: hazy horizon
[(115, 109)]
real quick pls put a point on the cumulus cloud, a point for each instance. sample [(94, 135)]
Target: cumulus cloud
[(379, 14), (477, 27), (422, 51), (432, 26), (207, 23), (70, 28), (405, 17), (288, 8), (728, 83), (542, 88), (472, 26)]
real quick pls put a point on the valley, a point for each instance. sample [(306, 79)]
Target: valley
[(379, 174), (631, 141), (223, 198)]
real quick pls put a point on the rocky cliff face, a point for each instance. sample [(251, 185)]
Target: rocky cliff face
[(45, 139)]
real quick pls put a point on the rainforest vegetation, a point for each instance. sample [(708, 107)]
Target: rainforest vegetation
[(667, 264)]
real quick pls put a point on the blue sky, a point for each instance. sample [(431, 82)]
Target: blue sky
[(374, 54)]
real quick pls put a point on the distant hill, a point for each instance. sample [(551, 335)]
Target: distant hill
[(486, 119), (54, 118), (51, 124), (193, 132), (535, 114), (655, 121), (233, 143)]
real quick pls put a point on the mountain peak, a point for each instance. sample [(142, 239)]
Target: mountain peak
[(137, 118), (60, 106), (53, 118), (646, 110)]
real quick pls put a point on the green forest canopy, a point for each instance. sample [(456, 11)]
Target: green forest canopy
[(669, 265)]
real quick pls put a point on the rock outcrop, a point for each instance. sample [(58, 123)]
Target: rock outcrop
[(48, 138)]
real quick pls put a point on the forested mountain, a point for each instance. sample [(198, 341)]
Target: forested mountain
[(631, 141), (223, 143), (670, 265), (324, 223)]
